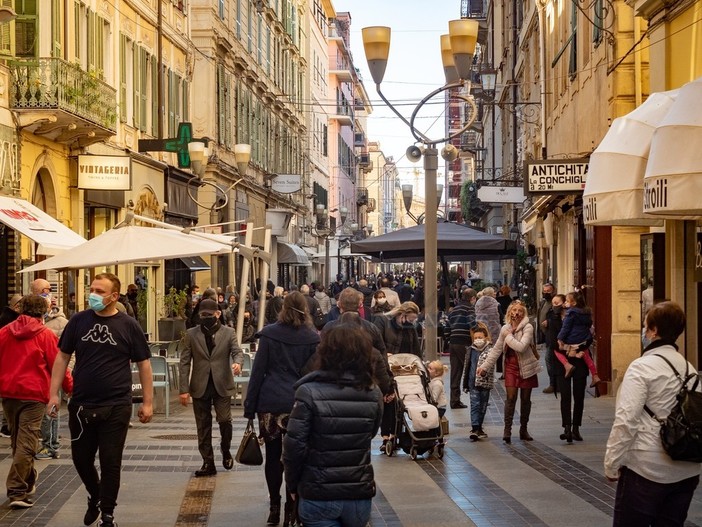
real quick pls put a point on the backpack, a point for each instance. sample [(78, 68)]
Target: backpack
[(681, 431)]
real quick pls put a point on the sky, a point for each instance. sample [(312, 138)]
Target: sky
[(414, 69)]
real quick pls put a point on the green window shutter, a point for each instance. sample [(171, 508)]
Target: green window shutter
[(5, 35), (123, 78), (171, 105), (91, 40), (78, 21), (177, 101), (55, 28), (136, 87), (143, 82), (155, 114), (228, 109), (186, 101), (573, 62), (598, 22), (221, 127)]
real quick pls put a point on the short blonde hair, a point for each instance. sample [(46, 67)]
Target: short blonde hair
[(489, 291), (437, 366), (517, 304)]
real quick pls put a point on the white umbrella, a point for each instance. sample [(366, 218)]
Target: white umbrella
[(613, 192), (131, 243), (673, 181)]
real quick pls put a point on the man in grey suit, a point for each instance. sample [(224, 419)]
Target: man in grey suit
[(208, 348)]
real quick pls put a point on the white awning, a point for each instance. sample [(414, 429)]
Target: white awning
[(289, 253), (52, 236), (614, 191), (673, 180)]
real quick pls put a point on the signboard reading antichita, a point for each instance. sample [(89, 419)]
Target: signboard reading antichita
[(563, 176)]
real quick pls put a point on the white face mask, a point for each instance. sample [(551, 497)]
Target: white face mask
[(479, 343), (381, 301)]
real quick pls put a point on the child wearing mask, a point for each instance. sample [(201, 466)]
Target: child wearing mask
[(575, 337), (479, 385)]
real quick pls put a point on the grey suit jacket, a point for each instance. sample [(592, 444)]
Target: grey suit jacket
[(194, 355)]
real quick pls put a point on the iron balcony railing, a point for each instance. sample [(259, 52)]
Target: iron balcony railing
[(53, 83)]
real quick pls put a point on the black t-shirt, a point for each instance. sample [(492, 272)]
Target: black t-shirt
[(104, 348)]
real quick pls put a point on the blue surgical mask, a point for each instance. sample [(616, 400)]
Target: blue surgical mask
[(97, 302), (644, 339)]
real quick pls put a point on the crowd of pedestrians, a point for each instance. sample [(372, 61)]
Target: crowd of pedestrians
[(321, 386)]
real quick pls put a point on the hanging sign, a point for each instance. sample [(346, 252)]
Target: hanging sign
[(287, 183), (490, 194), (104, 172), (564, 176)]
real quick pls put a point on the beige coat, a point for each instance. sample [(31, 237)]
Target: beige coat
[(520, 341)]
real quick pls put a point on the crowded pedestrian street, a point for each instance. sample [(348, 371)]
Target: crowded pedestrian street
[(546, 482)]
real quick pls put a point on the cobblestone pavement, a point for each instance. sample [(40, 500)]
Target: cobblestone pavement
[(541, 483)]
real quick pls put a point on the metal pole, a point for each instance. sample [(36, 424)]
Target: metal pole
[(338, 257), (214, 259), (244, 285), (431, 164), (327, 262), (265, 273)]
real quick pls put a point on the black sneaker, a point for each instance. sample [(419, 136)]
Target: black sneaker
[(5, 431), (474, 435), (207, 469), (93, 512), (107, 520), (22, 504), (482, 434), (227, 459)]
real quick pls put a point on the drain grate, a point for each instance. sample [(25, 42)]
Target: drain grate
[(176, 437), (197, 503)]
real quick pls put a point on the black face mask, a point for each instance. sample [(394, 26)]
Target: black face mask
[(131, 296), (557, 309), (547, 296), (208, 322)]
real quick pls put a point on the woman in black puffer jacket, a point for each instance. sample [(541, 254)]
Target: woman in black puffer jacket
[(337, 412)]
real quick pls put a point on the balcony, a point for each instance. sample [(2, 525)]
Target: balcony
[(344, 115), (60, 101), (342, 69), (361, 196)]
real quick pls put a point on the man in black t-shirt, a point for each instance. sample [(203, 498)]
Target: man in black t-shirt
[(105, 343)]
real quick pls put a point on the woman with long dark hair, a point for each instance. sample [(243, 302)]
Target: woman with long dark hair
[(283, 351), (337, 413)]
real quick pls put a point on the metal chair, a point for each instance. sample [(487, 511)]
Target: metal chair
[(241, 381), (161, 379)]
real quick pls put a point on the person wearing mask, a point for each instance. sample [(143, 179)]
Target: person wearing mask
[(461, 321), (331, 474), (521, 367), (555, 322), (105, 343), (274, 305), (207, 352), (504, 299), (194, 318), (367, 293), (547, 292), (652, 488), (284, 349), (27, 353), (392, 298), (132, 299), (380, 303)]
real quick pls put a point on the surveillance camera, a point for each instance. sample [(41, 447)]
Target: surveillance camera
[(449, 153), (414, 153)]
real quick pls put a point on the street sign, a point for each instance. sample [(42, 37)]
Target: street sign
[(490, 194), (564, 176)]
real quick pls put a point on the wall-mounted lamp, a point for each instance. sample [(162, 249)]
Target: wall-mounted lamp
[(199, 155), (242, 156)]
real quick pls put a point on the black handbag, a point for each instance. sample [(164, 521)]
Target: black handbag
[(249, 452)]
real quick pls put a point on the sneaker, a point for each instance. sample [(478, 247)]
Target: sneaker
[(32, 491), (45, 454), (482, 434), (93, 512), (21, 504), (4, 431), (107, 520), (474, 435)]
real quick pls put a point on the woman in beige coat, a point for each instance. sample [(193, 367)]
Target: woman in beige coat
[(520, 367)]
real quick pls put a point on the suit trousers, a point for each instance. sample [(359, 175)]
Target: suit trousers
[(202, 408), (576, 386), (24, 420), (457, 360)]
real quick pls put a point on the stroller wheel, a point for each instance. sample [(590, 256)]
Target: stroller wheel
[(390, 447), (413, 453), (440, 451)]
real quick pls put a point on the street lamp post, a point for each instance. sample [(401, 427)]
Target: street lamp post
[(461, 40)]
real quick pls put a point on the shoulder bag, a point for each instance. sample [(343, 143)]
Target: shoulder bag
[(249, 452)]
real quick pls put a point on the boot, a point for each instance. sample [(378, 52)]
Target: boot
[(509, 416), (567, 435), (524, 411), (225, 430), (576, 433), (274, 515)]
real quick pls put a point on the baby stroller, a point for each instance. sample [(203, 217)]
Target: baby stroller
[(417, 424)]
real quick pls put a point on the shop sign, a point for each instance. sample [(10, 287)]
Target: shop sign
[(655, 194), (556, 177), (104, 172), (490, 194), (287, 183), (697, 257)]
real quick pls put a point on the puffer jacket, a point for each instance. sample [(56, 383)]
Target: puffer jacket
[(283, 352), (326, 451), (576, 327), (520, 341), (487, 311)]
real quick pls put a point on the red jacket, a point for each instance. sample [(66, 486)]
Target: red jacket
[(28, 350)]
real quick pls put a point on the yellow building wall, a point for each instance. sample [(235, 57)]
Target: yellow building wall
[(684, 50)]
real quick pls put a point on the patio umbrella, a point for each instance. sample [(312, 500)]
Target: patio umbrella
[(131, 243), (454, 243)]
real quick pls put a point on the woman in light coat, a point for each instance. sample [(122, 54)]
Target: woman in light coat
[(520, 367)]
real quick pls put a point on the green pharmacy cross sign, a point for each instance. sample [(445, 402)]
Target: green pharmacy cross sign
[(174, 144)]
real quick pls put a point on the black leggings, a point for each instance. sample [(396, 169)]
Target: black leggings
[(274, 467)]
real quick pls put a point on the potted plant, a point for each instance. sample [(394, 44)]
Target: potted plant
[(171, 325)]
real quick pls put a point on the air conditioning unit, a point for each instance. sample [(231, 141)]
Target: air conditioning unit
[(359, 139), (364, 160)]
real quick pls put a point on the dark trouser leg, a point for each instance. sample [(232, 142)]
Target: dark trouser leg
[(578, 400), (25, 418), (564, 388), (202, 408), (112, 434), (387, 425), (84, 445), (549, 357), (640, 502), (223, 413), (457, 361), (274, 468)]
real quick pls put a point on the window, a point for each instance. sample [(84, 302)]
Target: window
[(221, 9), (573, 43), (598, 22), (25, 28), (56, 37), (224, 116)]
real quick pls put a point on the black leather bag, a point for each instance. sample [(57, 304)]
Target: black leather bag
[(249, 452)]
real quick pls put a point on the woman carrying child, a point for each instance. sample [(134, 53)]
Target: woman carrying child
[(575, 337), (479, 385)]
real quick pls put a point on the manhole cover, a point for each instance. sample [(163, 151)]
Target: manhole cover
[(176, 437)]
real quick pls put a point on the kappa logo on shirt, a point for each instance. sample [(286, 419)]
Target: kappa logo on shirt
[(100, 333)]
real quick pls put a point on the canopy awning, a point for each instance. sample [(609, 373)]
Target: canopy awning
[(290, 253), (673, 181), (614, 191), (52, 236), (194, 263)]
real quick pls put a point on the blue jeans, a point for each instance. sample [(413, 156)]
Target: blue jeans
[(479, 397), (640, 502), (49, 434), (334, 513)]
